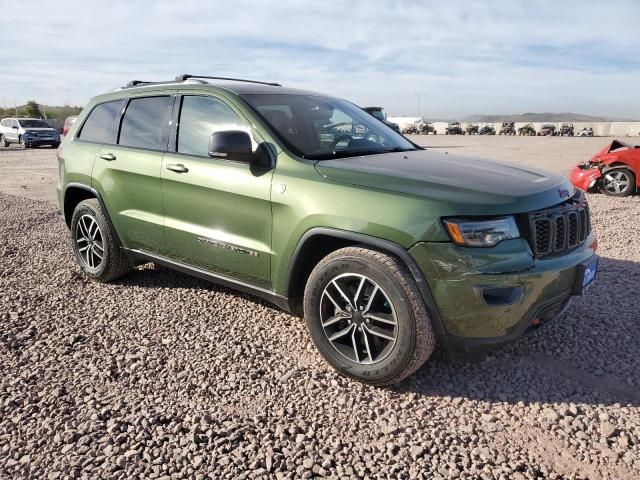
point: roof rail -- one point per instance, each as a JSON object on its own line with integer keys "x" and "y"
{"x": 186, "y": 76}
{"x": 135, "y": 83}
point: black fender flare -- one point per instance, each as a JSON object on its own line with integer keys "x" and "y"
{"x": 384, "y": 245}
{"x": 98, "y": 197}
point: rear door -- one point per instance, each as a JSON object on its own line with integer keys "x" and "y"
{"x": 127, "y": 173}
{"x": 217, "y": 212}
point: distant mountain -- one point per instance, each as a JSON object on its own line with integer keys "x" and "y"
{"x": 542, "y": 117}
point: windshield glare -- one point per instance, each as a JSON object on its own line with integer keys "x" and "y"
{"x": 319, "y": 128}
{"x": 33, "y": 124}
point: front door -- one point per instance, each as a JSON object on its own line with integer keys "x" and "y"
{"x": 217, "y": 212}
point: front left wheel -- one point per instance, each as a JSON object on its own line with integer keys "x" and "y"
{"x": 366, "y": 316}
{"x": 94, "y": 244}
{"x": 618, "y": 182}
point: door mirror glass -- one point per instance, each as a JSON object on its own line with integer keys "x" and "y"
{"x": 231, "y": 145}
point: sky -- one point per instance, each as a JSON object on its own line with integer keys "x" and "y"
{"x": 449, "y": 58}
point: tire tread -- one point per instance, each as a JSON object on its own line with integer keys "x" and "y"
{"x": 425, "y": 339}
{"x": 119, "y": 263}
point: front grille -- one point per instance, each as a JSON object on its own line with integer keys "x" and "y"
{"x": 558, "y": 229}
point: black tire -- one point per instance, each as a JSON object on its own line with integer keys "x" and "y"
{"x": 3, "y": 142}
{"x": 55, "y": 145}
{"x": 414, "y": 338}
{"x": 618, "y": 182}
{"x": 114, "y": 263}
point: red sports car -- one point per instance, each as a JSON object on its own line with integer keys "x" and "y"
{"x": 615, "y": 170}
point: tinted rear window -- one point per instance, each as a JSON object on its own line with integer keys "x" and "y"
{"x": 144, "y": 122}
{"x": 99, "y": 126}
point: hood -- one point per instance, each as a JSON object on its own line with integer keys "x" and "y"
{"x": 614, "y": 147}
{"x": 470, "y": 186}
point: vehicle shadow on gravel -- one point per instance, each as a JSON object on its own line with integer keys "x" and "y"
{"x": 588, "y": 355}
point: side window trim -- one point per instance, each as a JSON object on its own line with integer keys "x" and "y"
{"x": 78, "y": 137}
{"x": 166, "y": 127}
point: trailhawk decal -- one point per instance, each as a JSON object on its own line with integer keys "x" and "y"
{"x": 228, "y": 246}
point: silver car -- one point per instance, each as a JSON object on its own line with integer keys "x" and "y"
{"x": 28, "y": 132}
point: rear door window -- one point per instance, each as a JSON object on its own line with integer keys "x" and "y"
{"x": 99, "y": 126}
{"x": 145, "y": 122}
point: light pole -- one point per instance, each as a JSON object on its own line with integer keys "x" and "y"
{"x": 418, "y": 95}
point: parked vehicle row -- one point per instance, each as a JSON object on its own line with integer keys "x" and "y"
{"x": 422, "y": 127}
{"x": 506, "y": 128}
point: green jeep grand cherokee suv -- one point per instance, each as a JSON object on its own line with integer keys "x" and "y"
{"x": 309, "y": 202}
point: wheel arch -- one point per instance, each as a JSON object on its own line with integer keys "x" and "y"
{"x": 318, "y": 242}
{"x": 74, "y": 193}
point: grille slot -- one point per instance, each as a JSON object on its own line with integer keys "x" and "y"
{"x": 560, "y": 240}
{"x": 559, "y": 229}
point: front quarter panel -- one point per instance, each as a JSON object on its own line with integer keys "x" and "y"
{"x": 303, "y": 199}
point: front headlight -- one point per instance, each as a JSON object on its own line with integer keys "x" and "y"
{"x": 481, "y": 233}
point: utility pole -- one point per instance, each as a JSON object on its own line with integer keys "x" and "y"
{"x": 418, "y": 95}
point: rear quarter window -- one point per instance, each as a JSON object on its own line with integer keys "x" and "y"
{"x": 99, "y": 126}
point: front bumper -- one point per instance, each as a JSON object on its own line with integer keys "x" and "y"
{"x": 584, "y": 178}
{"x": 36, "y": 141}
{"x": 491, "y": 296}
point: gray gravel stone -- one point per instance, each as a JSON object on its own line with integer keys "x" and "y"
{"x": 160, "y": 375}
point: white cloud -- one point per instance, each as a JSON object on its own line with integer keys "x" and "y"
{"x": 462, "y": 57}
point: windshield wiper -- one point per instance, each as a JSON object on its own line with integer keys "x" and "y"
{"x": 398, "y": 149}
{"x": 356, "y": 153}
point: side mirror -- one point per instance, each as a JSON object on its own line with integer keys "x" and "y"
{"x": 231, "y": 145}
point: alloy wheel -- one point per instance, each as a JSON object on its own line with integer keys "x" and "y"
{"x": 358, "y": 318}
{"x": 616, "y": 181}
{"x": 90, "y": 242}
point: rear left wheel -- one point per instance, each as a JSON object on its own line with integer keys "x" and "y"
{"x": 366, "y": 316}
{"x": 94, "y": 244}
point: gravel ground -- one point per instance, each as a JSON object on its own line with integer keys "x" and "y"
{"x": 164, "y": 376}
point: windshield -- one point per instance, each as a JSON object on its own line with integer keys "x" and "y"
{"x": 320, "y": 128}
{"x": 33, "y": 124}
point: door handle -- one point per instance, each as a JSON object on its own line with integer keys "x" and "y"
{"x": 177, "y": 167}
{"x": 109, "y": 157}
